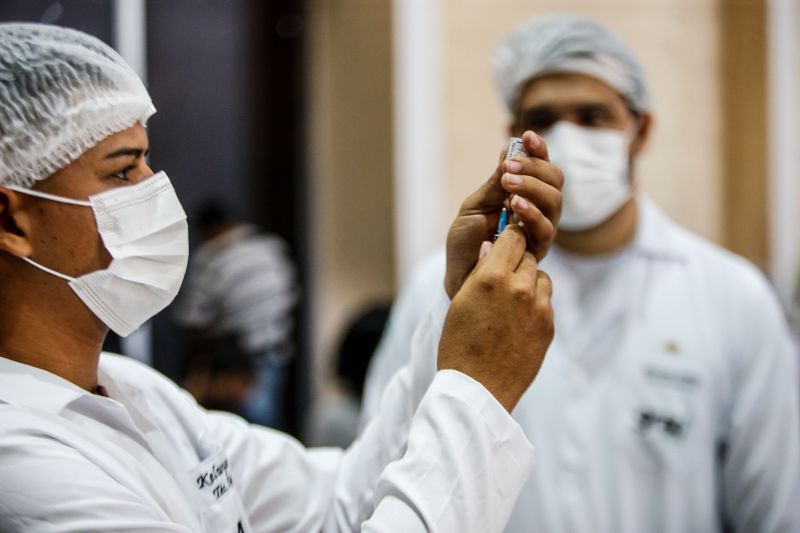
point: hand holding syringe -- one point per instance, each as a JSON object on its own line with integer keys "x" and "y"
{"x": 500, "y": 320}
{"x": 530, "y": 185}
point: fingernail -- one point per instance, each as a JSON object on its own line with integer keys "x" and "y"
{"x": 519, "y": 204}
{"x": 513, "y": 179}
{"x": 535, "y": 140}
{"x": 513, "y": 166}
{"x": 485, "y": 247}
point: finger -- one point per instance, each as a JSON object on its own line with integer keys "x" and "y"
{"x": 486, "y": 246}
{"x": 490, "y": 196}
{"x": 527, "y": 269}
{"x": 546, "y": 197}
{"x": 537, "y": 168}
{"x": 507, "y": 251}
{"x": 544, "y": 284}
{"x": 535, "y": 145}
{"x": 543, "y": 303}
{"x": 541, "y": 231}
{"x": 502, "y": 154}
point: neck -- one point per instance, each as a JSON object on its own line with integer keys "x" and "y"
{"x": 610, "y": 236}
{"x": 60, "y": 336}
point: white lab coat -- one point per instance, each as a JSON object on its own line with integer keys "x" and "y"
{"x": 148, "y": 459}
{"x": 668, "y": 401}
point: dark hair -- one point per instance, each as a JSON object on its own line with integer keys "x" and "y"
{"x": 358, "y": 345}
{"x": 211, "y": 216}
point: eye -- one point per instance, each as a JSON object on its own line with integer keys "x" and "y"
{"x": 537, "y": 122}
{"x": 122, "y": 175}
{"x": 594, "y": 117}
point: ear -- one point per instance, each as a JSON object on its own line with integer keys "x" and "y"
{"x": 643, "y": 133}
{"x": 14, "y": 224}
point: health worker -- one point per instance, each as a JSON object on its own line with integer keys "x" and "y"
{"x": 92, "y": 239}
{"x": 671, "y": 384}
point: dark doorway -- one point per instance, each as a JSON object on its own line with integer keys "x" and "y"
{"x": 227, "y": 79}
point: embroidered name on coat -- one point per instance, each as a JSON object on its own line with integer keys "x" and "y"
{"x": 215, "y": 479}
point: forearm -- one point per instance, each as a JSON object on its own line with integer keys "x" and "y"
{"x": 386, "y": 436}
{"x": 465, "y": 464}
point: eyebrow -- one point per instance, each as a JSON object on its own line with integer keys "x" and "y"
{"x": 579, "y": 106}
{"x": 127, "y": 152}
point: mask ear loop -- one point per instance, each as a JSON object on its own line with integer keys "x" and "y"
{"x": 47, "y": 196}
{"x": 54, "y": 198}
{"x": 48, "y": 270}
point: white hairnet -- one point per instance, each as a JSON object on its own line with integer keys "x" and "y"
{"x": 565, "y": 43}
{"x": 61, "y": 92}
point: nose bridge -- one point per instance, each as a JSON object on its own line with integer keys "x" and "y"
{"x": 146, "y": 172}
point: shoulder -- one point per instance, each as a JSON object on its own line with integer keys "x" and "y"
{"x": 139, "y": 379}
{"x": 708, "y": 267}
{"x": 721, "y": 269}
{"x": 131, "y": 371}
{"x": 741, "y": 304}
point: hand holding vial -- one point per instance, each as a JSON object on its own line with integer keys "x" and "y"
{"x": 530, "y": 185}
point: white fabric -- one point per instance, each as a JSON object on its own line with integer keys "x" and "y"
{"x": 566, "y": 43}
{"x": 668, "y": 401}
{"x": 596, "y": 171}
{"x": 149, "y": 459}
{"x": 143, "y": 227}
{"x": 424, "y": 289}
{"x": 61, "y": 92}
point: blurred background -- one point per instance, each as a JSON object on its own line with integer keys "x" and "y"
{"x": 351, "y": 130}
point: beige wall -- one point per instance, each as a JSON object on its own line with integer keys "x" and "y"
{"x": 678, "y": 43}
{"x": 350, "y": 130}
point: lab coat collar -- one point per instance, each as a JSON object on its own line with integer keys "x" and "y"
{"x": 656, "y": 237}
{"x": 23, "y": 385}
{"x": 655, "y": 233}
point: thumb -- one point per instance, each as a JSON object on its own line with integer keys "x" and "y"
{"x": 483, "y": 256}
{"x": 535, "y": 145}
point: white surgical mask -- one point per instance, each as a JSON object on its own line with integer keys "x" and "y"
{"x": 595, "y": 166}
{"x": 144, "y": 228}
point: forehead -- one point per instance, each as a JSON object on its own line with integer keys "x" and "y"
{"x": 80, "y": 178}
{"x": 567, "y": 90}
{"x": 132, "y": 137}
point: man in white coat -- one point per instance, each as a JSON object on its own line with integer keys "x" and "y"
{"x": 669, "y": 398}
{"x": 91, "y": 240}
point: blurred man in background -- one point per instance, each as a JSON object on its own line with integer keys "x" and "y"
{"x": 672, "y": 376}
{"x": 237, "y": 304}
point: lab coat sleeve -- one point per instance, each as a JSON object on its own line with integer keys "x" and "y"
{"x": 38, "y": 471}
{"x": 463, "y": 469}
{"x": 411, "y": 307}
{"x": 444, "y": 458}
{"x": 761, "y": 455}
